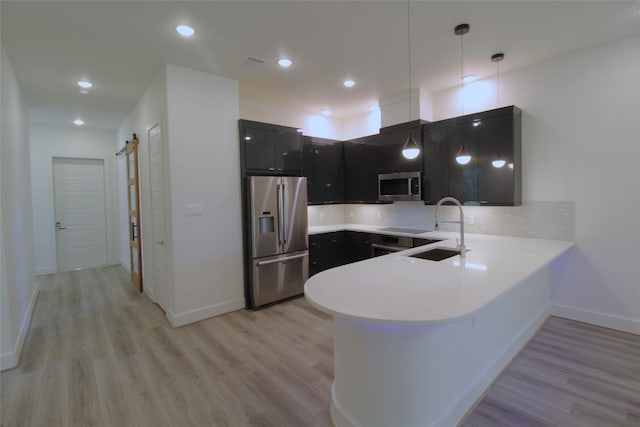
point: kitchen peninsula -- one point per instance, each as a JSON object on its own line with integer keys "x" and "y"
{"x": 417, "y": 342}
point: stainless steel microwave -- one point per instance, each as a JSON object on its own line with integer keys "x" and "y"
{"x": 399, "y": 186}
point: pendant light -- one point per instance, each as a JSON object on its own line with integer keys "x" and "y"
{"x": 499, "y": 161}
{"x": 462, "y": 157}
{"x": 410, "y": 149}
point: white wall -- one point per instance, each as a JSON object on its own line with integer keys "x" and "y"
{"x": 580, "y": 143}
{"x": 312, "y": 124}
{"x": 203, "y": 112}
{"x": 18, "y": 287}
{"x": 48, "y": 142}
{"x": 150, "y": 110}
{"x": 198, "y": 115}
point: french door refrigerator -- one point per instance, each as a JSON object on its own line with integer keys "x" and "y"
{"x": 277, "y": 216}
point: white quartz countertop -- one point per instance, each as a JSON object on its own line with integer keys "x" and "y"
{"x": 397, "y": 289}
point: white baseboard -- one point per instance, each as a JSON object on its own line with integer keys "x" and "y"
{"x": 181, "y": 319}
{"x": 46, "y": 270}
{"x": 10, "y": 360}
{"x": 596, "y": 318}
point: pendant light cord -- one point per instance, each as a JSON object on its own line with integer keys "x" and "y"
{"x": 462, "y": 74}
{"x": 497, "y": 84}
{"x": 409, "y": 53}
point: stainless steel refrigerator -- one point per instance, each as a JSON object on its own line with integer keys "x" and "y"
{"x": 277, "y": 216}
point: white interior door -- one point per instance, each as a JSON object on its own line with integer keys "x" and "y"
{"x": 157, "y": 217}
{"x": 81, "y": 226}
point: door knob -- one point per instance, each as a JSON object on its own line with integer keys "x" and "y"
{"x": 59, "y": 226}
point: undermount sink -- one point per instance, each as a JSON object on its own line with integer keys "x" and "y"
{"x": 437, "y": 254}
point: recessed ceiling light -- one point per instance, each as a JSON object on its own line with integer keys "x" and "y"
{"x": 285, "y": 62}
{"x": 185, "y": 30}
{"x": 469, "y": 78}
{"x": 326, "y": 112}
{"x": 78, "y": 122}
{"x": 247, "y": 138}
{"x": 85, "y": 84}
{"x": 349, "y": 83}
{"x": 83, "y": 91}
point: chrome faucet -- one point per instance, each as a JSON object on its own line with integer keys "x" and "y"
{"x": 461, "y": 246}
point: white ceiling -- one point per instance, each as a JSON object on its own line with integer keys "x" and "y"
{"x": 121, "y": 46}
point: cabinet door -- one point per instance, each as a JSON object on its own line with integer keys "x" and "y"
{"x": 436, "y": 163}
{"x": 259, "y": 149}
{"x": 329, "y": 172}
{"x": 308, "y": 169}
{"x": 324, "y": 167}
{"x": 316, "y": 252}
{"x": 288, "y": 152}
{"x": 463, "y": 179}
{"x": 326, "y": 251}
{"x": 495, "y": 139}
{"x": 358, "y": 246}
{"x": 361, "y": 177}
{"x": 390, "y": 156}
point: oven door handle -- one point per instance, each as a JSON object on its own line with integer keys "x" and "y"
{"x": 389, "y": 247}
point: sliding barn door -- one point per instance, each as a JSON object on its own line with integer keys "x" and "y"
{"x": 133, "y": 191}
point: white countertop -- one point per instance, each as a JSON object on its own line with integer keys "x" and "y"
{"x": 396, "y": 289}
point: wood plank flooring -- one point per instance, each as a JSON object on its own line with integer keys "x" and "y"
{"x": 98, "y": 353}
{"x": 570, "y": 374}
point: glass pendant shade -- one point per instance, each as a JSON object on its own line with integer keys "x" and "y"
{"x": 410, "y": 149}
{"x": 498, "y": 163}
{"x": 463, "y": 157}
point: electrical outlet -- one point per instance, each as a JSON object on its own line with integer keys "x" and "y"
{"x": 321, "y": 216}
{"x": 471, "y": 220}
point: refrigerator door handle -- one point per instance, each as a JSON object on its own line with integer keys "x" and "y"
{"x": 281, "y": 214}
{"x": 285, "y": 213}
{"x": 275, "y": 261}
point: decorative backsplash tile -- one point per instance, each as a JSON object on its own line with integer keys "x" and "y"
{"x": 544, "y": 220}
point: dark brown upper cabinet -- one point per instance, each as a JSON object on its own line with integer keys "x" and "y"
{"x": 324, "y": 169}
{"x": 268, "y": 149}
{"x": 487, "y": 136}
{"x": 392, "y": 139}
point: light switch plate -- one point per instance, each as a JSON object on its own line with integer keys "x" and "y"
{"x": 194, "y": 210}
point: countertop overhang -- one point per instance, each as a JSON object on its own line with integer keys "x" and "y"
{"x": 400, "y": 290}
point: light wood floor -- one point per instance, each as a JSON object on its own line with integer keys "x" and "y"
{"x": 98, "y": 353}
{"x": 570, "y": 374}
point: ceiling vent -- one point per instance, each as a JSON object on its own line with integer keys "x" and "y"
{"x": 253, "y": 61}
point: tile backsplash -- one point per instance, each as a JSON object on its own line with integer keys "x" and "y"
{"x": 544, "y": 220}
